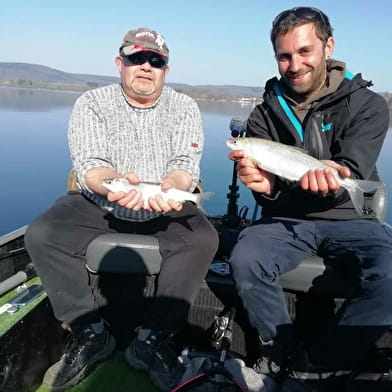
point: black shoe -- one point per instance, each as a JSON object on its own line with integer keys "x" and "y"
{"x": 319, "y": 381}
{"x": 83, "y": 349}
{"x": 303, "y": 376}
{"x": 270, "y": 375}
{"x": 155, "y": 353}
{"x": 270, "y": 362}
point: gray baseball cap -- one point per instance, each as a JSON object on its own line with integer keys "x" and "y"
{"x": 143, "y": 40}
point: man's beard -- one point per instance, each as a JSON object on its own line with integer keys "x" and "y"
{"x": 143, "y": 89}
{"x": 144, "y": 93}
{"x": 301, "y": 92}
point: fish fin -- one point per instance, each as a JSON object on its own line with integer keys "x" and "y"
{"x": 357, "y": 195}
{"x": 380, "y": 203}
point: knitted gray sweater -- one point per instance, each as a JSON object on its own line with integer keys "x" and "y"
{"x": 106, "y": 131}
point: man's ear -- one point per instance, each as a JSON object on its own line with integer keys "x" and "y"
{"x": 119, "y": 62}
{"x": 328, "y": 49}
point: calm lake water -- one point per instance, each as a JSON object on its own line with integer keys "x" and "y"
{"x": 34, "y": 157}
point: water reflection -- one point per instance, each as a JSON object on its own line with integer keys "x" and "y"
{"x": 30, "y": 100}
{"x": 231, "y": 109}
{"x": 34, "y": 156}
{"x": 35, "y": 100}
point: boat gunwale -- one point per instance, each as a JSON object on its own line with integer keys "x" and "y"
{"x": 12, "y": 235}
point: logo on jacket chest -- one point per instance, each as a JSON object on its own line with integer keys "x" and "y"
{"x": 326, "y": 127}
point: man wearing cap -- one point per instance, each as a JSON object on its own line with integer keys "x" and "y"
{"x": 143, "y": 131}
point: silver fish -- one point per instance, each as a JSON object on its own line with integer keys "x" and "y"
{"x": 152, "y": 190}
{"x": 291, "y": 163}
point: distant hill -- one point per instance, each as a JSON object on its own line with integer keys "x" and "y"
{"x": 40, "y": 76}
{"x": 41, "y": 73}
{"x": 34, "y": 75}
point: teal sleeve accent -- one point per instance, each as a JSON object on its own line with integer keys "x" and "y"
{"x": 289, "y": 113}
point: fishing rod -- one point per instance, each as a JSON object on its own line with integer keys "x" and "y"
{"x": 232, "y": 218}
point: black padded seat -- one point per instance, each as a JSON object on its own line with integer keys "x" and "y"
{"x": 136, "y": 254}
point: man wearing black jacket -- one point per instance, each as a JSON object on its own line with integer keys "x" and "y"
{"x": 317, "y": 105}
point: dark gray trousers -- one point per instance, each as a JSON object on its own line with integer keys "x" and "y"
{"x": 58, "y": 238}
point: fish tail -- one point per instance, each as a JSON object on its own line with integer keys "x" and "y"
{"x": 200, "y": 197}
{"x": 367, "y": 186}
{"x": 357, "y": 195}
{"x": 204, "y": 195}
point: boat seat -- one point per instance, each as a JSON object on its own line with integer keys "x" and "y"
{"x": 137, "y": 254}
{"x": 119, "y": 253}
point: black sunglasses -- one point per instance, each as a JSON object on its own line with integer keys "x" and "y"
{"x": 304, "y": 13}
{"x": 153, "y": 59}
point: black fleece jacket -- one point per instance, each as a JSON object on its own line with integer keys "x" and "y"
{"x": 347, "y": 126}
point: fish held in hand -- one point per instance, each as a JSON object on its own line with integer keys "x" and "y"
{"x": 291, "y": 163}
{"x": 152, "y": 190}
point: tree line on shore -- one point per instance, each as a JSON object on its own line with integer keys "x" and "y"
{"x": 206, "y": 94}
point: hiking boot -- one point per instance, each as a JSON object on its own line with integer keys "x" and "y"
{"x": 84, "y": 348}
{"x": 271, "y": 361}
{"x": 268, "y": 368}
{"x": 259, "y": 382}
{"x": 155, "y": 353}
{"x": 266, "y": 376}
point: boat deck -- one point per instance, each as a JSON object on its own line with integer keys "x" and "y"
{"x": 36, "y": 337}
{"x": 31, "y": 339}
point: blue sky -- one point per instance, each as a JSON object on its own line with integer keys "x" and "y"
{"x": 210, "y": 41}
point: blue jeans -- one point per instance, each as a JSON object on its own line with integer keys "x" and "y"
{"x": 274, "y": 246}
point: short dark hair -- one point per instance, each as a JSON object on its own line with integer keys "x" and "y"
{"x": 290, "y": 19}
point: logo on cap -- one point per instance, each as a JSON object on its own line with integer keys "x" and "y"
{"x": 143, "y": 39}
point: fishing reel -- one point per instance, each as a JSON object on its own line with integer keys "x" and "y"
{"x": 238, "y": 126}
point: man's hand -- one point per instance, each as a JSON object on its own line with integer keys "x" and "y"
{"x": 132, "y": 200}
{"x": 251, "y": 175}
{"x": 158, "y": 204}
{"x": 324, "y": 181}
{"x": 178, "y": 179}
